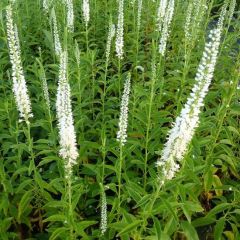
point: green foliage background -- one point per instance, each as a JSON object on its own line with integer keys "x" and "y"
{"x": 202, "y": 202}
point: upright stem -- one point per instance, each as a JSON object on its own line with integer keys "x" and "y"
{"x": 119, "y": 76}
{"x": 148, "y": 212}
{"x": 160, "y": 73}
{"x": 93, "y": 83}
{"x": 87, "y": 44}
{"x": 104, "y": 88}
{"x": 19, "y": 162}
{"x": 70, "y": 209}
{"x": 30, "y": 148}
{"x": 120, "y": 176}
{"x": 103, "y": 121}
{"x": 29, "y": 140}
{"x": 149, "y": 126}
{"x": 183, "y": 79}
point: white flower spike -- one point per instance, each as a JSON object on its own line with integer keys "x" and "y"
{"x": 184, "y": 127}
{"x": 86, "y": 11}
{"x": 123, "y": 119}
{"x": 119, "y": 34}
{"x": 19, "y": 84}
{"x": 68, "y": 148}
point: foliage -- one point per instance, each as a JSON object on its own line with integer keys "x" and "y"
{"x": 201, "y": 202}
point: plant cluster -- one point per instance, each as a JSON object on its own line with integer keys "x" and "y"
{"x": 119, "y": 119}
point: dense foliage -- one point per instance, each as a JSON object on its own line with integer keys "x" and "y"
{"x": 37, "y": 200}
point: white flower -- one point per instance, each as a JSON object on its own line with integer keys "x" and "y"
{"x": 231, "y": 9}
{"x": 111, "y": 33}
{"x": 57, "y": 44}
{"x": 123, "y": 119}
{"x": 188, "y": 22}
{"x": 162, "y": 9}
{"x": 184, "y": 127}
{"x": 19, "y": 84}
{"x": 103, "y": 224}
{"x": 119, "y": 36}
{"x": 77, "y": 53}
{"x": 44, "y": 86}
{"x": 45, "y": 5}
{"x": 70, "y": 15}
{"x": 166, "y": 27}
{"x": 139, "y": 14}
{"x": 68, "y": 148}
{"x": 86, "y": 11}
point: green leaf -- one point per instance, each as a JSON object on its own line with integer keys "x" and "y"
{"x": 229, "y": 235}
{"x": 56, "y": 218}
{"x": 24, "y": 203}
{"x": 189, "y": 231}
{"x": 218, "y": 230}
{"x": 217, "y": 185}
{"x": 59, "y": 232}
{"x": 169, "y": 207}
{"x": 219, "y": 208}
{"x": 208, "y": 180}
{"x": 129, "y": 227}
{"x": 157, "y": 228}
{"x": 143, "y": 200}
{"x": 81, "y": 226}
{"x": 203, "y": 221}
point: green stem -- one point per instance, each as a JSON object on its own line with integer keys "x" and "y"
{"x": 30, "y": 143}
{"x": 19, "y": 161}
{"x": 148, "y": 212}
{"x": 70, "y": 209}
{"x": 183, "y": 79}
{"x": 148, "y": 130}
{"x": 120, "y": 177}
{"x": 86, "y": 34}
{"x": 103, "y": 121}
{"x": 119, "y": 77}
{"x": 30, "y": 149}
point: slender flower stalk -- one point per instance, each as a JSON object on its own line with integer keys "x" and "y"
{"x": 68, "y": 148}
{"x": 57, "y": 44}
{"x": 19, "y": 84}
{"x": 194, "y": 17}
{"x": 198, "y": 7}
{"x": 183, "y": 130}
{"x": 111, "y": 33}
{"x": 45, "y": 92}
{"x": 123, "y": 120}
{"x": 139, "y": 15}
{"x": 119, "y": 35}
{"x": 122, "y": 134}
{"x": 45, "y": 4}
{"x": 86, "y": 12}
{"x": 45, "y": 87}
{"x": 149, "y": 117}
{"x": 103, "y": 223}
{"x": 188, "y": 22}
{"x": 166, "y": 27}
{"x": 77, "y": 54}
{"x": 232, "y": 6}
{"x": 70, "y": 15}
{"x": 162, "y": 9}
{"x": 86, "y": 18}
